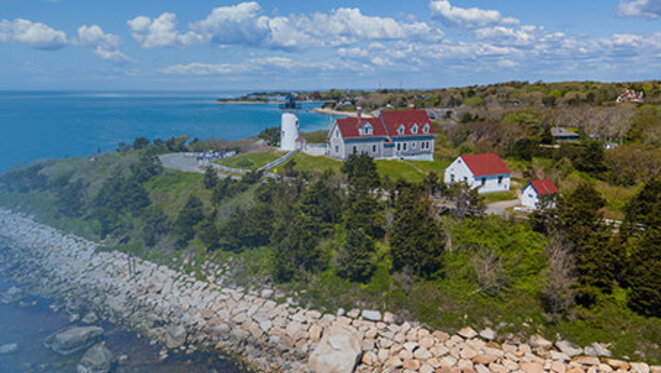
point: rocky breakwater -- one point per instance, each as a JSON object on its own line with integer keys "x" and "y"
{"x": 186, "y": 314}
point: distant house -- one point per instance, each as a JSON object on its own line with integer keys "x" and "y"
{"x": 484, "y": 171}
{"x": 563, "y": 134}
{"x": 407, "y": 134}
{"x": 630, "y": 96}
{"x": 610, "y": 145}
{"x": 531, "y": 192}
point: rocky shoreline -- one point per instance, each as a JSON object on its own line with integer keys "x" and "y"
{"x": 186, "y": 314}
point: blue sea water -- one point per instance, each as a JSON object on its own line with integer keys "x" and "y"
{"x": 39, "y": 125}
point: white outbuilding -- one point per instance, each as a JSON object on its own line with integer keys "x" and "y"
{"x": 530, "y": 193}
{"x": 487, "y": 172}
{"x": 289, "y": 132}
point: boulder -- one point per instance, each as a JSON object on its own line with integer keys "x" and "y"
{"x": 371, "y": 315}
{"x": 74, "y": 339}
{"x": 90, "y": 318}
{"x": 12, "y": 295}
{"x": 467, "y": 332}
{"x": 488, "y": 334}
{"x": 568, "y": 348}
{"x": 8, "y": 349}
{"x": 337, "y": 352}
{"x": 175, "y": 337}
{"x": 537, "y": 341}
{"x": 98, "y": 359}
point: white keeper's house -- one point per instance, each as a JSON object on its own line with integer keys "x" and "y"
{"x": 487, "y": 172}
{"x": 530, "y": 193}
{"x": 405, "y": 134}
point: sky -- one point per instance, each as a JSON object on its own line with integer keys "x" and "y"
{"x": 307, "y": 45}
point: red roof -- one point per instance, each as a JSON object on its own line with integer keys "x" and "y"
{"x": 393, "y": 119}
{"x": 545, "y": 186}
{"x": 349, "y": 127}
{"x": 485, "y": 164}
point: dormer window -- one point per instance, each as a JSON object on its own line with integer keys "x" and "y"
{"x": 414, "y": 129}
{"x": 367, "y": 129}
{"x": 400, "y": 129}
{"x": 425, "y": 129}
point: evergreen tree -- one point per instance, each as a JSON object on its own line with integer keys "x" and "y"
{"x": 147, "y": 166}
{"x": 642, "y": 231}
{"x": 356, "y": 258}
{"x": 207, "y": 230}
{"x": 361, "y": 171}
{"x": 296, "y": 242}
{"x": 582, "y": 224}
{"x": 156, "y": 225}
{"x": 416, "y": 239}
{"x": 322, "y": 201}
{"x": 210, "y": 178}
{"x": 71, "y": 199}
{"x": 188, "y": 217}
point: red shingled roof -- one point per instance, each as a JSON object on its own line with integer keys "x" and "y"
{"x": 393, "y": 119}
{"x": 349, "y": 127}
{"x": 485, "y": 164}
{"x": 545, "y": 186}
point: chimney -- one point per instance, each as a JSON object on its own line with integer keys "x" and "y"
{"x": 359, "y": 113}
{"x": 412, "y": 106}
{"x": 388, "y": 107}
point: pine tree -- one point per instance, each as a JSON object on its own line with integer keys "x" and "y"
{"x": 582, "y": 224}
{"x": 641, "y": 231}
{"x": 356, "y": 257}
{"x": 210, "y": 178}
{"x": 207, "y": 230}
{"x": 416, "y": 239}
{"x": 188, "y": 217}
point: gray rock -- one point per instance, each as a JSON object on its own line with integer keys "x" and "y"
{"x": 598, "y": 349}
{"x": 74, "y": 339}
{"x": 371, "y": 315}
{"x": 537, "y": 341}
{"x": 488, "y": 334}
{"x": 8, "y": 349}
{"x": 568, "y": 348}
{"x": 12, "y": 295}
{"x": 337, "y": 352}
{"x": 90, "y": 318}
{"x": 98, "y": 359}
{"x": 175, "y": 336}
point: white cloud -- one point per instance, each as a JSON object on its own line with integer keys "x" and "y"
{"x": 196, "y": 68}
{"x": 161, "y": 32}
{"x": 245, "y": 24}
{"x": 106, "y": 45}
{"x": 34, "y": 34}
{"x": 640, "y": 9}
{"x": 468, "y": 17}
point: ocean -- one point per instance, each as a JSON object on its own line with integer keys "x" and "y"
{"x": 42, "y": 125}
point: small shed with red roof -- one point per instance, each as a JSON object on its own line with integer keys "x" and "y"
{"x": 531, "y": 193}
{"x": 486, "y": 171}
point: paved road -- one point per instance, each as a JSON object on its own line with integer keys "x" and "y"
{"x": 499, "y": 208}
{"x": 180, "y": 162}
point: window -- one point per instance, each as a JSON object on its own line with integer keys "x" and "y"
{"x": 484, "y": 180}
{"x": 400, "y": 130}
{"x": 529, "y": 195}
{"x": 465, "y": 179}
{"x": 500, "y": 180}
{"x": 414, "y": 129}
{"x": 398, "y": 146}
{"x": 452, "y": 178}
{"x": 373, "y": 148}
{"x": 337, "y": 148}
{"x": 354, "y": 148}
{"x": 413, "y": 145}
{"x": 425, "y": 129}
{"x": 404, "y": 146}
{"x": 367, "y": 129}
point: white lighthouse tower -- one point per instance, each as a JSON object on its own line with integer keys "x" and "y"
{"x": 289, "y": 132}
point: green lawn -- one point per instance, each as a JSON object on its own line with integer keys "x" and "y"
{"x": 413, "y": 171}
{"x": 310, "y": 163}
{"x": 251, "y": 161}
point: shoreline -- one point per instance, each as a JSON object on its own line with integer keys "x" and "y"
{"x": 188, "y": 314}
